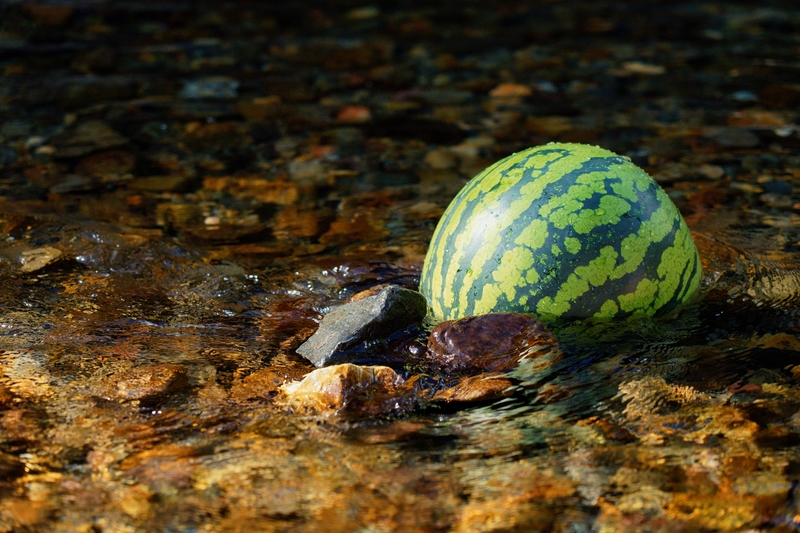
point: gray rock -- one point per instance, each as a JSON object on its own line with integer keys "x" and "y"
{"x": 372, "y": 318}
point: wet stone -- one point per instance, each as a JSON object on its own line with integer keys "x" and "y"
{"x": 351, "y": 387}
{"x": 480, "y": 388}
{"x": 369, "y": 319}
{"x": 492, "y": 342}
{"x": 712, "y": 172}
{"x": 441, "y": 159}
{"x": 261, "y": 384}
{"x": 149, "y": 382}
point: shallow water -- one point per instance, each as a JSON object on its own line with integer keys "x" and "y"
{"x": 685, "y": 421}
{"x": 206, "y": 183}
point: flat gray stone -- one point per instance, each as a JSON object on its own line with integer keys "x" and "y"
{"x": 373, "y": 318}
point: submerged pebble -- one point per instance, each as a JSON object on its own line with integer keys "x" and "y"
{"x": 148, "y": 382}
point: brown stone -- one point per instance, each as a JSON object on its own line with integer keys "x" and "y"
{"x": 147, "y": 382}
{"x": 261, "y": 384}
{"x": 363, "y": 389}
{"x": 510, "y": 90}
{"x": 480, "y": 388}
{"x": 366, "y": 293}
{"x": 354, "y": 113}
{"x": 163, "y": 468}
{"x": 492, "y": 342}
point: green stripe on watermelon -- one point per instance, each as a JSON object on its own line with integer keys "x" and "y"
{"x": 561, "y": 230}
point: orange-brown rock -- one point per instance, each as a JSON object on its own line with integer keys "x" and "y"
{"x": 147, "y": 382}
{"x": 352, "y": 388}
{"x": 480, "y": 388}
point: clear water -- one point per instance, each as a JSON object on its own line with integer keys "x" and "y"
{"x": 684, "y": 422}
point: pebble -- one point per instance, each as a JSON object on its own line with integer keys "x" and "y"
{"x": 354, "y": 113}
{"x": 441, "y": 158}
{"x": 480, "y": 388}
{"x": 330, "y": 389}
{"x": 147, "y": 383}
{"x": 510, "y": 90}
{"x": 73, "y": 183}
{"x": 712, "y": 172}
{"x": 370, "y": 319}
{"x": 261, "y": 384}
{"x": 647, "y": 69}
{"x": 746, "y": 187}
{"x": 734, "y": 138}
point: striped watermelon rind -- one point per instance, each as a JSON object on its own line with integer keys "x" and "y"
{"x": 561, "y": 230}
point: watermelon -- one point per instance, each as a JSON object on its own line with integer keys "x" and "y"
{"x": 561, "y": 230}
